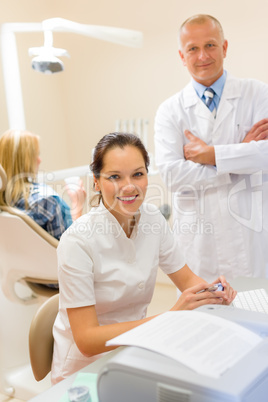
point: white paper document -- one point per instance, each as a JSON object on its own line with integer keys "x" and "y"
{"x": 206, "y": 343}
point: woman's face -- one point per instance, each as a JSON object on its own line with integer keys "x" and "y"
{"x": 123, "y": 181}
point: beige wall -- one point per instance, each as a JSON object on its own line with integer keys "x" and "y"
{"x": 102, "y": 82}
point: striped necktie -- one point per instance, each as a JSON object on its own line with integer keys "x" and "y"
{"x": 209, "y": 94}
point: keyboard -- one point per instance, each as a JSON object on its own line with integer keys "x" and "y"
{"x": 253, "y": 300}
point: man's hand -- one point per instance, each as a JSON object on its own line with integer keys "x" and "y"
{"x": 198, "y": 151}
{"x": 258, "y": 132}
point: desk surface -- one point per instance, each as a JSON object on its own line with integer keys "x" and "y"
{"x": 57, "y": 391}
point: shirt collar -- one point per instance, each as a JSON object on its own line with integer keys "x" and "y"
{"x": 217, "y": 86}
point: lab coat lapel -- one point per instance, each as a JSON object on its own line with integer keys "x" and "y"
{"x": 191, "y": 100}
{"x": 231, "y": 91}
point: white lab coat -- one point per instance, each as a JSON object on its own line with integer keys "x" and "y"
{"x": 220, "y": 214}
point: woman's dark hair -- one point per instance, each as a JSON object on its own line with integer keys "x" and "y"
{"x": 114, "y": 140}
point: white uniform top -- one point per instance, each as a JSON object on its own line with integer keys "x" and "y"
{"x": 99, "y": 265}
{"x": 220, "y": 213}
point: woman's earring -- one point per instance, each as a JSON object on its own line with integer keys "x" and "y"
{"x": 96, "y": 186}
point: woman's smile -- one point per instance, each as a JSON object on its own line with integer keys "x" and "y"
{"x": 128, "y": 199}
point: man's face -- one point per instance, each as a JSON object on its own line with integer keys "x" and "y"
{"x": 202, "y": 51}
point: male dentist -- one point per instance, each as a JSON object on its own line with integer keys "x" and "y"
{"x": 212, "y": 153}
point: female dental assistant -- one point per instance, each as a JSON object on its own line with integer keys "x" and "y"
{"x": 108, "y": 260}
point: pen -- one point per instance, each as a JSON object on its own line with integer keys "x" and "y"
{"x": 217, "y": 286}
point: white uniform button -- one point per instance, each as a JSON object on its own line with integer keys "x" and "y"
{"x": 141, "y": 285}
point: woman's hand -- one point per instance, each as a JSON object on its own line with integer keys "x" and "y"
{"x": 197, "y": 296}
{"x": 77, "y": 194}
{"x": 195, "y": 293}
{"x": 228, "y": 294}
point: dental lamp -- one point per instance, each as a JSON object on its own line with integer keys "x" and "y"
{"x": 46, "y": 58}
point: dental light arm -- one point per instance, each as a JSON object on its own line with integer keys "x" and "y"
{"x": 11, "y": 71}
{"x": 120, "y": 36}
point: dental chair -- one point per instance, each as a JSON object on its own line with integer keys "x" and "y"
{"x": 28, "y": 262}
{"x": 41, "y": 337}
{"x": 27, "y": 256}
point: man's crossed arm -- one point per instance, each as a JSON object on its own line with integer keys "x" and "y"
{"x": 199, "y": 152}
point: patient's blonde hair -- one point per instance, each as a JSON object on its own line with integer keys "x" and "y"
{"x": 19, "y": 151}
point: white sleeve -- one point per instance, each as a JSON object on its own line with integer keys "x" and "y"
{"x": 75, "y": 270}
{"x": 247, "y": 158}
{"x": 244, "y": 158}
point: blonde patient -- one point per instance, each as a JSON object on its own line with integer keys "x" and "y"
{"x": 20, "y": 158}
{"x": 108, "y": 260}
